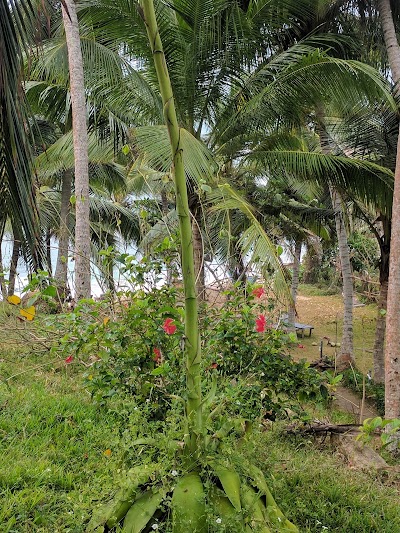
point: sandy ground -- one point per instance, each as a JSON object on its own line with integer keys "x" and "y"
{"x": 325, "y": 314}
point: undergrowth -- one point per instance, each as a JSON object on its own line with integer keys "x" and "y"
{"x": 61, "y": 455}
{"x": 374, "y": 392}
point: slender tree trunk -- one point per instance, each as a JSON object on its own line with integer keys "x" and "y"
{"x": 391, "y": 43}
{"x": 198, "y": 256}
{"x": 392, "y": 354}
{"x": 312, "y": 261}
{"x": 379, "y": 344}
{"x": 346, "y": 351}
{"x": 294, "y": 285}
{"x": 48, "y": 252}
{"x": 3, "y": 287}
{"x": 61, "y": 274}
{"x": 192, "y": 345}
{"x": 13, "y": 265}
{"x": 108, "y": 269}
{"x": 79, "y": 129}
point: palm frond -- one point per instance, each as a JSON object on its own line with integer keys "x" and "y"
{"x": 102, "y": 166}
{"x": 254, "y": 241}
{"x": 152, "y": 143}
{"x": 16, "y": 178}
{"x": 371, "y": 182}
{"x": 296, "y": 82}
{"x": 164, "y": 227}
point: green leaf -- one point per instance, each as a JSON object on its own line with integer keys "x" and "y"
{"x": 275, "y": 515}
{"x": 154, "y": 145}
{"x": 113, "y": 512}
{"x": 160, "y": 370}
{"x": 206, "y": 188}
{"x": 188, "y": 505}
{"x": 142, "y": 511}
{"x": 224, "y": 509}
{"x": 253, "y": 505}
{"x": 230, "y": 482}
{"x": 50, "y": 291}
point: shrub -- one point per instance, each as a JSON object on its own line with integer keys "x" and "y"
{"x": 136, "y": 351}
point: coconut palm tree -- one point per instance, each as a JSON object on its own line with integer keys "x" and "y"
{"x": 79, "y": 128}
{"x": 48, "y": 93}
{"x": 16, "y": 179}
{"x": 392, "y": 361}
{"x": 380, "y": 19}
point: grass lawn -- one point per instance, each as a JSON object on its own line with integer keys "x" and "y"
{"x": 52, "y": 441}
{"x": 61, "y": 455}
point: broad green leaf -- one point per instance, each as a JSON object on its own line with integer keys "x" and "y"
{"x": 188, "y": 505}
{"x": 142, "y": 511}
{"x": 50, "y": 291}
{"x": 230, "y": 481}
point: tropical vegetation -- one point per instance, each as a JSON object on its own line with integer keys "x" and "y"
{"x": 150, "y": 150}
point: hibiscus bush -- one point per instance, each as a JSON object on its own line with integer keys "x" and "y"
{"x": 240, "y": 332}
{"x": 136, "y": 352}
{"x": 243, "y": 343}
{"x": 129, "y": 345}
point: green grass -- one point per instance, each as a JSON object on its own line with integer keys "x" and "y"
{"x": 52, "y": 441}
{"x": 315, "y": 290}
{"x": 318, "y": 493}
{"x": 54, "y": 471}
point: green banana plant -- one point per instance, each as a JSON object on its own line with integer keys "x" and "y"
{"x": 243, "y": 500}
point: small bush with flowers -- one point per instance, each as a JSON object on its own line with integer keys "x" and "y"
{"x": 136, "y": 350}
{"x": 242, "y": 341}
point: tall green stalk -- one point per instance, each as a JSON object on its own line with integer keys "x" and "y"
{"x": 192, "y": 347}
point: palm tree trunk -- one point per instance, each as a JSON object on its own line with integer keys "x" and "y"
{"x": 294, "y": 285}
{"x": 13, "y": 265}
{"x": 391, "y": 43}
{"x": 192, "y": 347}
{"x": 61, "y": 274}
{"x": 392, "y": 354}
{"x": 379, "y": 344}
{"x": 79, "y": 130}
{"x": 2, "y": 277}
{"x": 346, "y": 351}
{"x": 48, "y": 252}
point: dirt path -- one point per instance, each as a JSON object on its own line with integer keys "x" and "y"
{"x": 348, "y": 401}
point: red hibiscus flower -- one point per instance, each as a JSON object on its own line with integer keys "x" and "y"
{"x": 69, "y": 360}
{"x": 258, "y": 292}
{"x": 261, "y": 324}
{"x": 169, "y": 327}
{"x": 157, "y": 355}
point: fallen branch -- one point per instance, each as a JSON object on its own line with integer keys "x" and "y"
{"x": 319, "y": 428}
